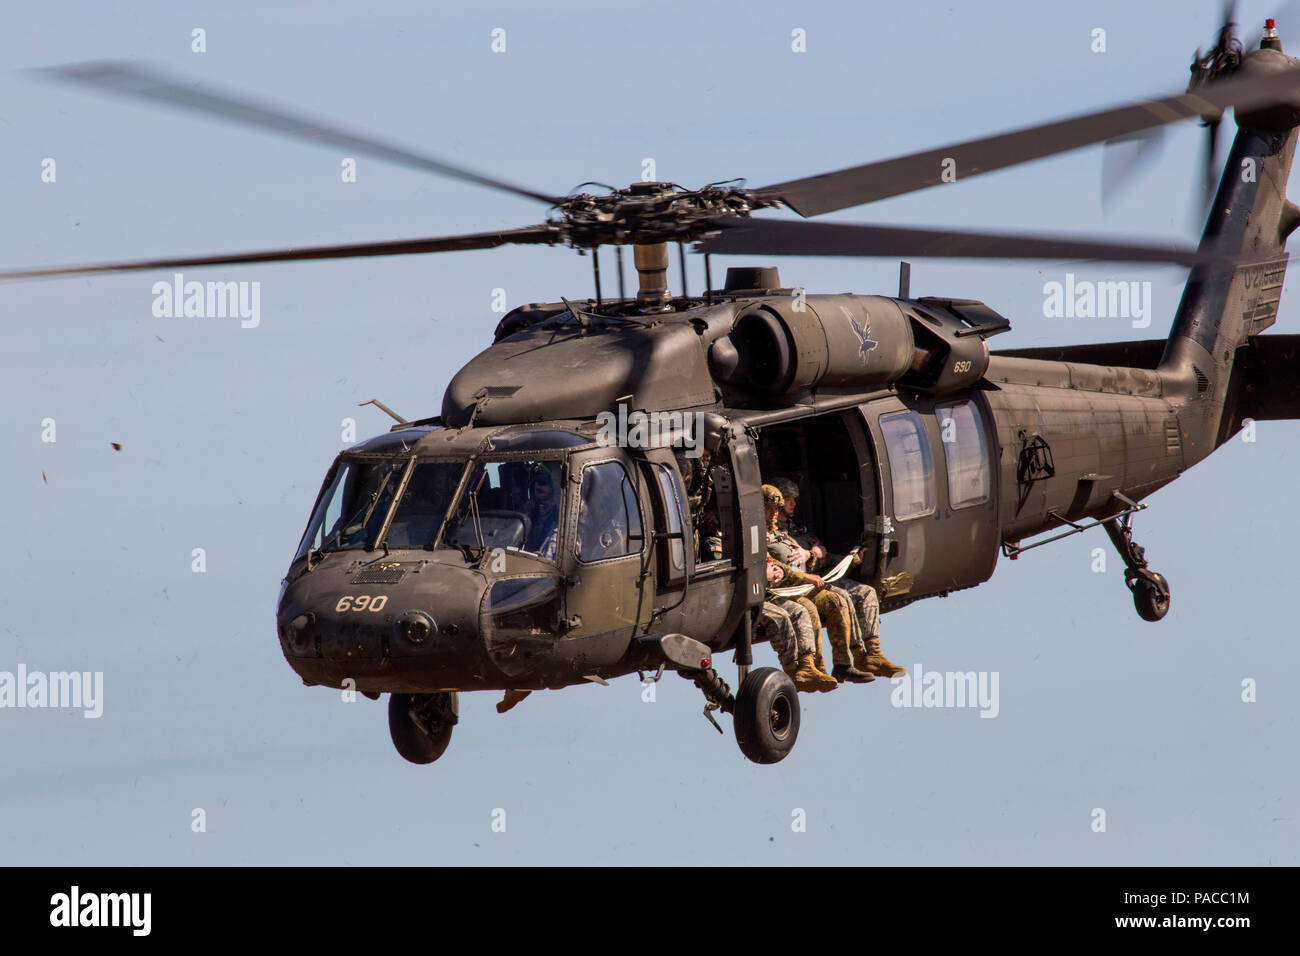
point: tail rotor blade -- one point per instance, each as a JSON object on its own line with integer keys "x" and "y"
{"x": 1124, "y": 158}
{"x": 1211, "y": 173}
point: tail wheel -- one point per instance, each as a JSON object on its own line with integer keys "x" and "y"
{"x": 421, "y": 724}
{"x": 1151, "y": 596}
{"x": 767, "y": 715}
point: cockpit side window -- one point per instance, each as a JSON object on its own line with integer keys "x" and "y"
{"x": 609, "y": 519}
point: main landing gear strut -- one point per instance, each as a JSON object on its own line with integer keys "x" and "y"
{"x": 765, "y": 709}
{"x": 1150, "y": 589}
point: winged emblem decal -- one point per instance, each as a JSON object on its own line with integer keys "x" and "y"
{"x": 865, "y": 335}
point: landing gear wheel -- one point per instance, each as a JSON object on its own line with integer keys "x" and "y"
{"x": 767, "y": 715}
{"x": 1151, "y": 596}
{"x": 420, "y": 724}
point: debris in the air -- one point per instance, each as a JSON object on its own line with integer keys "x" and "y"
{"x": 117, "y": 446}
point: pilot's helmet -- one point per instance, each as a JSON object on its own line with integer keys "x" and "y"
{"x": 542, "y": 476}
{"x": 772, "y": 496}
{"x": 787, "y": 488}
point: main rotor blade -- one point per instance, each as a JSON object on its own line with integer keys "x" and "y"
{"x": 124, "y": 78}
{"x": 893, "y": 177}
{"x": 396, "y": 247}
{"x": 772, "y": 237}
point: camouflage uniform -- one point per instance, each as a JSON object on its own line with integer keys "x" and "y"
{"x": 862, "y": 598}
{"x": 867, "y": 655}
{"x": 796, "y": 635}
{"x": 800, "y": 649}
{"x": 832, "y": 610}
{"x": 787, "y": 625}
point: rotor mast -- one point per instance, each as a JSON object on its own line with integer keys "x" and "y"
{"x": 651, "y": 262}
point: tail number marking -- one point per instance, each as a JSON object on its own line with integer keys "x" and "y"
{"x": 362, "y": 602}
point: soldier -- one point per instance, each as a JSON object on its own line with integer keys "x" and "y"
{"x": 543, "y": 514}
{"x": 789, "y": 625}
{"x": 867, "y": 655}
{"x": 834, "y": 609}
{"x": 697, "y": 476}
{"x": 791, "y": 525}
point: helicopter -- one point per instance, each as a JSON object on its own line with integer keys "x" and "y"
{"x": 542, "y": 531}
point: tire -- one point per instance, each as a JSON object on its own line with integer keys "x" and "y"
{"x": 410, "y": 740}
{"x": 1151, "y": 597}
{"x": 767, "y": 715}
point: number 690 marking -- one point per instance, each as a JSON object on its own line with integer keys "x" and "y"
{"x": 362, "y": 602}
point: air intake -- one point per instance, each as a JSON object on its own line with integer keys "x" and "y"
{"x": 752, "y": 279}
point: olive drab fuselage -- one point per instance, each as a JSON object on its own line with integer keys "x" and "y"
{"x": 908, "y": 437}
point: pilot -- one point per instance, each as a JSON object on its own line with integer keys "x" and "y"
{"x": 513, "y": 493}
{"x": 834, "y": 609}
{"x": 789, "y": 625}
{"x": 543, "y": 515}
{"x": 867, "y": 655}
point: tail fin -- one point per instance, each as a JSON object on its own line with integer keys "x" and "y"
{"x": 1223, "y": 306}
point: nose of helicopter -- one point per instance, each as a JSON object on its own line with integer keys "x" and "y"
{"x": 388, "y": 626}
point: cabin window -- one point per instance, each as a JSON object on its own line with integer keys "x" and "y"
{"x": 966, "y": 450}
{"x": 609, "y": 520}
{"x": 910, "y": 464}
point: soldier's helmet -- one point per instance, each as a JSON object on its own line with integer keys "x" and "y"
{"x": 771, "y": 496}
{"x": 787, "y": 488}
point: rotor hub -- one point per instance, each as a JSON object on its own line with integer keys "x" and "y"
{"x": 651, "y": 212}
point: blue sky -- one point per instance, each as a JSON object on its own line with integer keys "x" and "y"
{"x": 226, "y": 433}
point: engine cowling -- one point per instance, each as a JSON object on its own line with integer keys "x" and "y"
{"x": 792, "y": 345}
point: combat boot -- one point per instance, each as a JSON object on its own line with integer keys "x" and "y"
{"x": 880, "y": 665}
{"x": 852, "y": 674}
{"x": 808, "y": 677}
{"x": 862, "y": 659}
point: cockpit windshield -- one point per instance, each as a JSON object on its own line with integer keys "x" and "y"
{"x": 510, "y": 504}
{"x": 423, "y": 506}
{"x": 352, "y": 509}
{"x": 513, "y": 505}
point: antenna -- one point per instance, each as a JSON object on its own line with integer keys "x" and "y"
{"x": 904, "y": 280}
{"x": 384, "y": 408}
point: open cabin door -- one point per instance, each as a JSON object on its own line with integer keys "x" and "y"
{"x": 829, "y": 458}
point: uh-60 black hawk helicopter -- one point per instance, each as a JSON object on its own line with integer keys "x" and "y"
{"x": 507, "y": 545}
